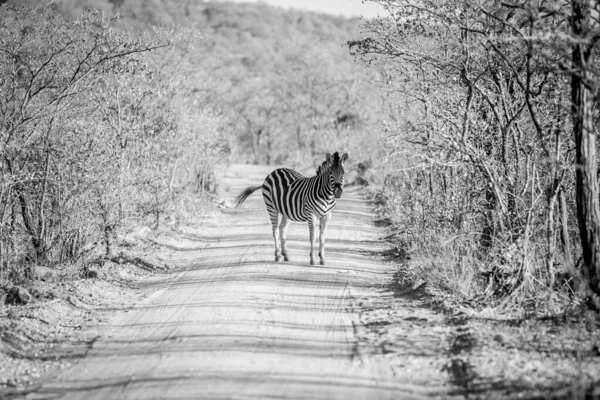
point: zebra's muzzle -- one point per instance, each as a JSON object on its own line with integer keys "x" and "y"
{"x": 337, "y": 191}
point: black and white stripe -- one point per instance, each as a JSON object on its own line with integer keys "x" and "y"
{"x": 289, "y": 196}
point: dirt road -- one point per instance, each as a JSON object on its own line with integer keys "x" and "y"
{"x": 230, "y": 323}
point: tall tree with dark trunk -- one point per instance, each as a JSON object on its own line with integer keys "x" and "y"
{"x": 586, "y": 180}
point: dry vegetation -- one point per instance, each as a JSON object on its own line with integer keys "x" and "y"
{"x": 491, "y": 106}
{"x": 95, "y": 126}
{"x": 479, "y": 142}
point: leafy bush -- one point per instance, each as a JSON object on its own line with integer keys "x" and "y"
{"x": 91, "y": 128}
{"x": 481, "y": 151}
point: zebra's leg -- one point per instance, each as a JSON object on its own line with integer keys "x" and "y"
{"x": 323, "y": 229}
{"x": 275, "y": 219}
{"x": 312, "y": 221}
{"x": 285, "y": 222}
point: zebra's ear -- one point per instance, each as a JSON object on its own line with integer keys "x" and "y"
{"x": 329, "y": 158}
{"x": 344, "y": 158}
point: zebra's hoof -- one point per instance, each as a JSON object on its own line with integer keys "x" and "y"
{"x": 312, "y": 262}
{"x": 322, "y": 262}
{"x": 286, "y": 258}
{"x": 278, "y": 258}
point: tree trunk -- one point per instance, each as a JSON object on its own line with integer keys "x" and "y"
{"x": 106, "y": 230}
{"x": 491, "y": 201}
{"x": 157, "y": 204}
{"x": 487, "y": 236}
{"x": 564, "y": 235}
{"x": 36, "y": 241}
{"x": 107, "y": 241}
{"x": 551, "y": 238}
{"x": 586, "y": 181}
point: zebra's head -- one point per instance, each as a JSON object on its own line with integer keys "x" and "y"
{"x": 336, "y": 172}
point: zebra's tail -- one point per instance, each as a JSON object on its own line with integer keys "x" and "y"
{"x": 240, "y": 198}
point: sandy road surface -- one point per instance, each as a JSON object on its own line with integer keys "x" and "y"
{"x": 231, "y": 323}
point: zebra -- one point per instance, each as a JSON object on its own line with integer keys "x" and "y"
{"x": 289, "y": 196}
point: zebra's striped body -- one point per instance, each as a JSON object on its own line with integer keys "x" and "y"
{"x": 291, "y": 197}
{"x": 297, "y": 198}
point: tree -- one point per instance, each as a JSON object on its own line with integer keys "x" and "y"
{"x": 94, "y": 126}
{"x": 584, "y": 90}
{"x": 490, "y": 82}
{"x": 50, "y": 70}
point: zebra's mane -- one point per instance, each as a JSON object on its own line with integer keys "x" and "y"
{"x": 321, "y": 168}
{"x": 325, "y": 165}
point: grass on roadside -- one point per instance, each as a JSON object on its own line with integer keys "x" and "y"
{"x": 509, "y": 276}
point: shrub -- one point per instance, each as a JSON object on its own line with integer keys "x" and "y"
{"x": 91, "y": 130}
